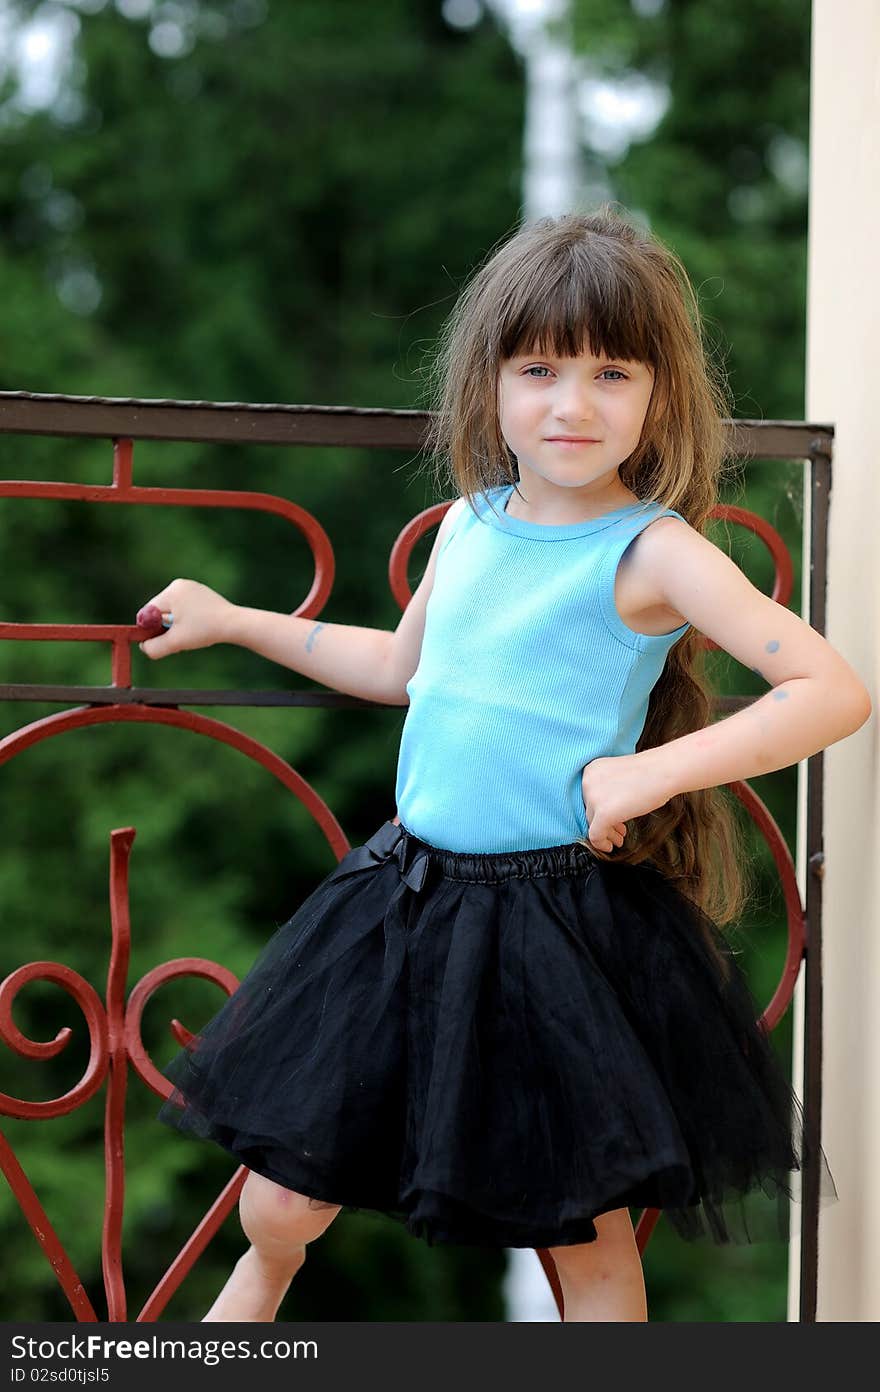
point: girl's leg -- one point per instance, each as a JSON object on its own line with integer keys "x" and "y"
{"x": 278, "y": 1223}
{"x": 603, "y": 1280}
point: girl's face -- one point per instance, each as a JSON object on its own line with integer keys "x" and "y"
{"x": 602, "y": 402}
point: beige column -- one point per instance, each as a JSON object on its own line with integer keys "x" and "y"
{"x": 843, "y": 389}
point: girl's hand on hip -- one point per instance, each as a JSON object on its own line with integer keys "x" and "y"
{"x": 188, "y": 614}
{"x": 614, "y": 790}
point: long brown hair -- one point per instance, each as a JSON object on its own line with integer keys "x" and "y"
{"x": 593, "y": 282}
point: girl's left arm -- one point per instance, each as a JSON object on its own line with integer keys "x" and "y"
{"x": 817, "y": 697}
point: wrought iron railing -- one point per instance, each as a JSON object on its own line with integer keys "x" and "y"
{"x": 114, "y": 1022}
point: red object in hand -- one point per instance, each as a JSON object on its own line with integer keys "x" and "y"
{"x": 150, "y": 617}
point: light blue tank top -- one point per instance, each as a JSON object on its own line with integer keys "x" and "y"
{"x": 526, "y": 673}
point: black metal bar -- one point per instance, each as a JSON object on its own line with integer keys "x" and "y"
{"x": 214, "y": 422}
{"x": 368, "y": 427}
{"x": 161, "y": 696}
{"x": 820, "y": 493}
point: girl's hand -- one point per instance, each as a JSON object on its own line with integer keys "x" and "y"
{"x": 200, "y": 617}
{"x": 615, "y": 789}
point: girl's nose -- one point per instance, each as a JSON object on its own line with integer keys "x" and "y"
{"x": 573, "y": 404}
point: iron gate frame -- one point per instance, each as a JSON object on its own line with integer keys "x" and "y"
{"x": 123, "y": 421}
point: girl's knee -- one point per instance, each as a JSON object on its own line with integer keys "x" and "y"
{"x": 271, "y": 1214}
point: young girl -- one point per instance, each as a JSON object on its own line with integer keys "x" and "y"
{"x": 512, "y": 1014}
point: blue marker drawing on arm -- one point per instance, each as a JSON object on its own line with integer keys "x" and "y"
{"x": 312, "y": 636}
{"x": 773, "y": 646}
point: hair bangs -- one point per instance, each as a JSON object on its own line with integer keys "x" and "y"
{"x": 587, "y": 306}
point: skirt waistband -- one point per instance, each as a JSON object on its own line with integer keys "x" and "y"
{"x": 489, "y": 867}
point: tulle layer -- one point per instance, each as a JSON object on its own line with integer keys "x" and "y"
{"x": 497, "y": 1049}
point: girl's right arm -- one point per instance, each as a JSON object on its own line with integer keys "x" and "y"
{"x": 371, "y": 663}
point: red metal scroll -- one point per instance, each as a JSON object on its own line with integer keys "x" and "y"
{"x": 113, "y": 1027}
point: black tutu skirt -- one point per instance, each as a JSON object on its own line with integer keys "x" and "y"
{"x": 496, "y": 1049}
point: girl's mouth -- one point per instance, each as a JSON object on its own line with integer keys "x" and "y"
{"x": 569, "y": 443}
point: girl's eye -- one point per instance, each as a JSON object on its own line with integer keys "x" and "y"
{"x": 537, "y": 367}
